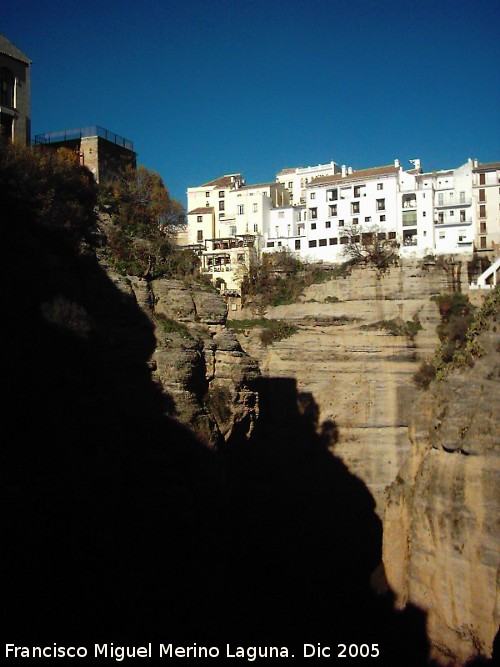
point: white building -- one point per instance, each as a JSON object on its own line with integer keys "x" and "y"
{"x": 296, "y": 179}
{"x": 315, "y": 211}
{"x": 225, "y": 216}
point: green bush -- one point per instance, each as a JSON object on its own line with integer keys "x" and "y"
{"x": 272, "y": 330}
{"x": 425, "y": 374}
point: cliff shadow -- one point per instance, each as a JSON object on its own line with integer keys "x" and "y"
{"x": 107, "y": 503}
{"x": 302, "y": 539}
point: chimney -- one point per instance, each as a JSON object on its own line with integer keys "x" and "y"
{"x": 476, "y": 163}
{"x": 344, "y": 171}
{"x": 349, "y": 170}
{"x": 396, "y": 163}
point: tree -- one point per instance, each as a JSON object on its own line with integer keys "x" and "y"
{"x": 145, "y": 221}
{"x": 370, "y": 245}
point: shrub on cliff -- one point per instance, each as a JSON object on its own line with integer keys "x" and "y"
{"x": 145, "y": 220}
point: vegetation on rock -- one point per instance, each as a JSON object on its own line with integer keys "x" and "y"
{"x": 144, "y": 221}
{"x": 397, "y": 327}
{"x": 458, "y": 331}
{"x": 281, "y": 278}
{"x": 272, "y": 330}
{"x": 370, "y": 246}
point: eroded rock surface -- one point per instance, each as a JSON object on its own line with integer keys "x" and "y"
{"x": 441, "y": 529}
{"x": 198, "y": 362}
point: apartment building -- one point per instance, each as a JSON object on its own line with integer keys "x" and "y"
{"x": 486, "y": 205}
{"x": 296, "y": 179}
{"x": 15, "y": 115}
{"x": 447, "y": 212}
{"x": 226, "y": 222}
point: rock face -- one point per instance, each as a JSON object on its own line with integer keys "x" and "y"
{"x": 441, "y": 529}
{"x": 360, "y": 377}
{"x": 199, "y": 364}
{"x": 437, "y": 456}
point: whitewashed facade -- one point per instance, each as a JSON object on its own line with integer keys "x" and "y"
{"x": 314, "y": 211}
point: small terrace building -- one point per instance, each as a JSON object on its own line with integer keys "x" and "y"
{"x": 105, "y": 153}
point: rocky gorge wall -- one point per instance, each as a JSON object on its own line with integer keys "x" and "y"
{"x": 197, "y": 362}
{"x": 430, "y": 460}
{"x": 441, "y": 530}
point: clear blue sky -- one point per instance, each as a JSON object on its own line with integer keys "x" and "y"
{"x": 210, "y": 87}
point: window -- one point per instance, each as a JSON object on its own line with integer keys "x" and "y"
{"x": 255, "y": 207}
{"x": 482, "y": 179}
{"x": 221, "y": 194}
{"x": 482, "y": 195}
{"x": 334, "y": 241}
{"x": 380, "y": 204}
{"x": 207, "y": 204}
{"x": 232, "y": 230}
{"x": 440, "y": 199}
{"x": 482, "y": 242}
{"x": 207, "y": 194}
{"x": 344, "y": 240}
{"x": 222, "y": 216}
{"x": 297, "y": 244}
{"x": 462, "y": 197}
{"x": 440, "y": 218}
{"x": 482, "y": 228}
{"x": 368, "y": 219}
{"x": 241, "y": 209}
{"x": 322, "y": 242}
{"x": 290, "y": 185}
{"x": 380, "y": 186}
{"x": 482, "y": 211}
{"x": 332, "y": 195}
{"x": 357, "y": 191}
{"x": 312, "y": 244}
{"x": 313, "y": 225}
{"x": 256, "y": 228}
{"x": 199, "y": 218}
{"x": 313, "y": 213}
{"x": 328, "y": 224}
{"x": 452, "y": 213}
{"x": 199, "y": 235}
{"x": 313, "y": 195}
{"x": 392, "y": 235}
{"x": 409, "y": 218}
{"x": 355, "y": 221}
{"x": 442, "y": 235}
{"x": 332, "y": 210}
{"x": 355, "y": 207}
{"x": 270, "y": 244}
{"x": 381, "y": 236}
{"x": 424, "y": 214}
{"x": 222, "y": 205}
{"x": 382, "y": 218}
{"x": 6, "y": 88}
{"x": 341, "y": 223}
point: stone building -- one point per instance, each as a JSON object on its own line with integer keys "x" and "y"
{"x": 105, "y": 153}
{"x": 14, "y": 93}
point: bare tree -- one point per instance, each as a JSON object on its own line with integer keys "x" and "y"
{"x": 370, "y": 246}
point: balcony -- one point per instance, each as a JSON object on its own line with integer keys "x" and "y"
{"x": 453, "y": 203}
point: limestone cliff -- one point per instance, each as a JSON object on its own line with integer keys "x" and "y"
{"x": 198, "y": 363}
{"x": 359, "y": 373}
{"x": 441, "y": 531}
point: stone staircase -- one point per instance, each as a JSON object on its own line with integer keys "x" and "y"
{"x": 491, "y": 272}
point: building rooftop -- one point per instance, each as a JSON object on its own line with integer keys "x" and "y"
{"x": 201, "y": 209}
{"x": 259, "y": 185}
{"x": 487, "y": 166}
{"x": 80, "y": 132}
{"x": 372, "y": 172}
{"x": 222, "y": 181}
{"x": 8, "y": 49}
